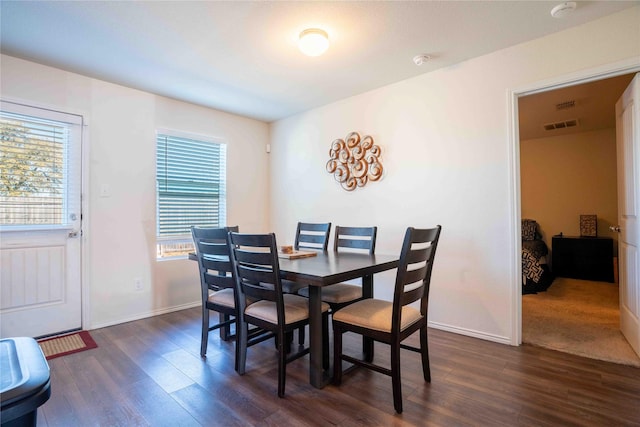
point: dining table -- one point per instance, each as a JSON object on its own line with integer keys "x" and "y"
{"x": 324, "y": 269}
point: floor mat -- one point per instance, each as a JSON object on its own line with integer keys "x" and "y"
{"x": 66, "y": 344}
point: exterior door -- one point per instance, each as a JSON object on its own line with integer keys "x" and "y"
{"x": 628, "y": 151}
{"x": 40, "y": 221}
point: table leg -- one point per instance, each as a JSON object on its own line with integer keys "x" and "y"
{"x": 317, "y": 377}
{"x": 367, "y": 292}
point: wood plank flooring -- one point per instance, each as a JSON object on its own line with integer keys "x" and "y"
{"x": 149, "y": 372}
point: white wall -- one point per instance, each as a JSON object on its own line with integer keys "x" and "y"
{"x": 446, "y": 152}
{"x": 563, "y": 177}
{"x": 120, "y": 229}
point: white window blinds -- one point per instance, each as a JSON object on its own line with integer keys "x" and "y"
{"x": 34, "y": 165}
{"x": 191, "y": 189}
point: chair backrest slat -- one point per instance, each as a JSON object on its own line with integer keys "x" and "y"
{"x": 312, "y": 236}
{"x": 418, "y": 255}
{"x": 251, "y": 274}
{"x": 414, "y": 271}
{"x": 219, "y": 281}
{"x": 259, "y": 258}
{"x": 417, "y": 275}
{"x": 217, "y": 264}
{"x": 212, "y": 248}
{"x": 361, "y": 238}
{"x": 412, "y": 295}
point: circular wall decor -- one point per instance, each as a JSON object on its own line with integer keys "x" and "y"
{"x": 354, "y": 161}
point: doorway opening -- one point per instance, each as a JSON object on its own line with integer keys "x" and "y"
{"x": 567, "y": 167}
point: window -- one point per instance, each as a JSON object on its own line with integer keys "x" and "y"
{"x": 36, "y": 166}
{"x": 191, "y": 189}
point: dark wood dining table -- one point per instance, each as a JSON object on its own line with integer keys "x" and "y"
{"x": 328, "y": 268}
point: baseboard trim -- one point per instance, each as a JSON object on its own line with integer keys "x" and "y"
{"x": 441, "y": 326}
{"x": 147, "y": 314}
{"x": 470, "y": 333}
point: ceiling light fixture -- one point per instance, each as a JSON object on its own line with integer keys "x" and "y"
{"x": 313, "y": 42}
{"x": 563, "y": 9}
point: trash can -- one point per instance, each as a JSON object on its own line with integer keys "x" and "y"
{"x": 24, "y": 381}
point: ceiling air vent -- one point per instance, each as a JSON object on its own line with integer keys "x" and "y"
{"x": 561, "y": 125}
{"x": 565, "y": 105}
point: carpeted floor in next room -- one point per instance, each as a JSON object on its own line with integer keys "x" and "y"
{"x": 579, "y": 317}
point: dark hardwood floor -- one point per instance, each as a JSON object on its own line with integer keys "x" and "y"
{"x": 149, "y": 372}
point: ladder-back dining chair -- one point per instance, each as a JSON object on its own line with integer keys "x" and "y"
{"x": 216, "y": 282}
{"x": 347, "y": 239}
{"x": 314, "y": 236}
{"x": 257, "y": 271}
{"x": 392, "y": 322}
{"x": 309, "y": 235}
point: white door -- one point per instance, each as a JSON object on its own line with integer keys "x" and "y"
{"x": 40, "y": 221}
{"x": 628, "y": 147}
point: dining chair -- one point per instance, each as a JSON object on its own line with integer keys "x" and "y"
{"x": 309, "y": 235}
{"x": 348, "y": 239}
{"x": 392, "y": 322}
{"x": 257, "y": 273}
{"x": 216, "y": 282}
{"x": 314, "y": 236}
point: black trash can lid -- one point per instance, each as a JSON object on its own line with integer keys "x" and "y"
{"x": 24, "y": 370}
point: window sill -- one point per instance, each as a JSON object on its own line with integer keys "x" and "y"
{"x": 172, "y": 258}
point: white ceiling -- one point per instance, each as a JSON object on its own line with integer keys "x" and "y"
{"x": 241, "y": 57}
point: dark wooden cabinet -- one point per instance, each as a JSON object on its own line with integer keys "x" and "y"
{"x": 587, "y": 258}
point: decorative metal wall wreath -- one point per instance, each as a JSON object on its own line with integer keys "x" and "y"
{"x": 354, "y": 162}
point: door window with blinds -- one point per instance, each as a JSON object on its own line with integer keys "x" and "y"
{"x": 35, "y": 167}
{"x": 191, "y": 189}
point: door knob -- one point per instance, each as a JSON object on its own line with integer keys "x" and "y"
{"x": 615, "y": 228}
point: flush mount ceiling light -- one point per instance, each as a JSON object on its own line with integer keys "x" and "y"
{"x": 563, "y": 9}
{"x": 313, "y": 42}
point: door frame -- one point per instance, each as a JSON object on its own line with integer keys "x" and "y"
{"x": 85, "y": 265}
{"x": 628, "y": 66}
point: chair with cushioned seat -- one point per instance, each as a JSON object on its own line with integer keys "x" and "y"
{"x": 352, "y": 239}
{"x": 309, "y": 236}
{"x": 257, "y": 272}
{"x": 216, "y": 282}
{"x": 392, "y": 322}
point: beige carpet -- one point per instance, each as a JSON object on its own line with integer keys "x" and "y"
{"x": 578, "y": 317}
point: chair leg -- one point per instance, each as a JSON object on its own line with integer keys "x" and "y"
{"x": 225, "y": 331}
{"x": 282, "y": 364}
{"x": 424, "y": 351}
{"x": 235, "y": 345}
{"x": 325, "y": 340}
{"x": 337, "y": 355}
{"x": 367, "y": 349}
{"x": 242, "y": 336}
{"x": 288, "y": 342}
{"x": 301, "y": 336}
{"x": 204, "y": 339}
{"x": 395, "y": 376}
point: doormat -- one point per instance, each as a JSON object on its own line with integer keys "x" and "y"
{"x": 66, "y": 344}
